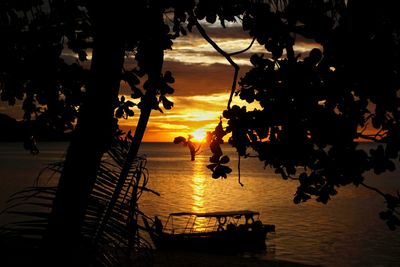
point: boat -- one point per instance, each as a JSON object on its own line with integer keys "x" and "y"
{"x": 212, "y": 231}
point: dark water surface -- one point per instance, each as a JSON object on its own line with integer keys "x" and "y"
{"x": 345, "y": 232}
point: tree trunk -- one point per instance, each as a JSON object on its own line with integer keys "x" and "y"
{"x": 95, "y": 128}
{"x": 154, "y": 59}
{"x": 92, "y": 137}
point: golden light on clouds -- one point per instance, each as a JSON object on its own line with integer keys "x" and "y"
{"x": 194, "y": 50}
{"x": 190, "y": 115}
{"x": 203, "y": 80}
{"x": 200, "y": 115}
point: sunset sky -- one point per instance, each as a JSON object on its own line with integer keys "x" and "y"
{"x": 203, "y": 81}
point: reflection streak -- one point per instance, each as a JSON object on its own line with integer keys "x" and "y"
{"x": 198, "y": 196}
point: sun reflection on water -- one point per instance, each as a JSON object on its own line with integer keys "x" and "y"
{"x": 198, "y": 191}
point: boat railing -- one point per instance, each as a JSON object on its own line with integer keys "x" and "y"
{"x": 193, "y": 224}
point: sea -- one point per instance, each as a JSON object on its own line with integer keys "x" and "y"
{"x": 345, "y": 232}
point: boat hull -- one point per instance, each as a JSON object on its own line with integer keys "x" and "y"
{"x": 214, "y": 241}
{"x": 229, "y": 231}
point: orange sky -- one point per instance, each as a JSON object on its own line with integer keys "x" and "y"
{"x": 203, "y": 80}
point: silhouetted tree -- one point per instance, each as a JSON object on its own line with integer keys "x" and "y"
{"x": 191, "y": 146}
{"x": 312, "y": 110}
{"x": 34, "y": 70}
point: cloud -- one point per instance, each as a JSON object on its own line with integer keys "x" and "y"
{"x": 168, "y": 126}
{"x": 197, "y": 79}
{"x": 203, "y": 80}
{"x": 193, "y": 49}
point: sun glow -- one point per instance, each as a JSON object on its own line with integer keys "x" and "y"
{"x": 199, "y": 135}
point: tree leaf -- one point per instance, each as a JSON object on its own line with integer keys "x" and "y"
{"x": 224, "y": 160}
{"x": 168, "y": 77}
{"x": 119, "y": 112}
{"x": 129, "y": 112}
{"x": 166, "y": 103}
{"x": 214, "y": 159}
{"x": 212, "y": 166}
{"x": 137, "y": 93}
{"x": 130, "y": 78}
{"x": 129, "y": 104}
{"x": 179, "y": 139}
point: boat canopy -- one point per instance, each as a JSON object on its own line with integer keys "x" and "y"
{"x": 217, "y": 213}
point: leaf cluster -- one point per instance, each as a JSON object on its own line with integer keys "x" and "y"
{"x": 218, "y": 160}
{"x": 34, "y": 69}
{"x": 314, "y": 110}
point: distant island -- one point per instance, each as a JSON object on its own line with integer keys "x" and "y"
{"x": 13, "y": 130}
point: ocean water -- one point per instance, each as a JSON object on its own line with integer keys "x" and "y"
{"x": 345, "y": 232}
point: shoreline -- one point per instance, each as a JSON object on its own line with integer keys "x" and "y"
{"x": 180, "y": 258}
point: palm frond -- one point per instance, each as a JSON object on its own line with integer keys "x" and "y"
{"x": 111, "y": 232}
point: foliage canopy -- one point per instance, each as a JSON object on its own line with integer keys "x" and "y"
{"x": 312, "y": 113}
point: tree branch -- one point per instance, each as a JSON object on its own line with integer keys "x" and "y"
{"x": 243, "y": 50}
{"x": 374, "y": 137}
{"x": 373, "y": 189}
{"x": 241, "y": 184}
{"x": 224, "y": 54}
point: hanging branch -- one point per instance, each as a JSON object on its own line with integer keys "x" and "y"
{"x": 227, "y": 56}
{"x": 243, "y": 50}
{"x": 393, "y": 202}
{"x": 373, "y": 189}
{"x": 241, "y": 184}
